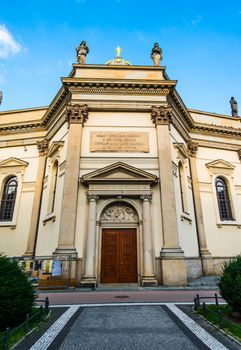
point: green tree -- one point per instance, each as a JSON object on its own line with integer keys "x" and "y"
{"x": 230, "y": 283}
{"x": 16, "y": 294}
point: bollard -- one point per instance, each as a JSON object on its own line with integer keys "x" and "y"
{"x": 47, "y": 305}
{"x": 5, "y": 338}
{"x": 26, "y": 323}
{"x": 195, "y": 304}
{"x": 198, "y": 300}
{"x": 40, "y": 312}
{"x": 216, "y": 299}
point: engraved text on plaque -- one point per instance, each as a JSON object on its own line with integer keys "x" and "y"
{"x": 115, "y": 141}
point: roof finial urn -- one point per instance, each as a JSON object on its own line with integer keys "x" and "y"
{"x": 82, "y": 51}
{"x": 156, "y": 55}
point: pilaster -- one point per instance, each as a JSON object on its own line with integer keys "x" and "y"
{"x": 207, "y": 262}
{"x": 172, "y": 257}
{"x": 76, "y": 116}
{"x": 33, "y": 230}
{"x": 89, "y": 279}
{"x": 148, "y": 277}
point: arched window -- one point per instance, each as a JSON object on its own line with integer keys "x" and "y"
{"x": 224, "y": 205}
{"x": 8, "y": 198}
{"x": 180, "y": 174}
{"x": 53, "y": 187}
{"x": 183, "y": 187}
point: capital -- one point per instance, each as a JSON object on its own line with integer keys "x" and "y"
{"x": 92, "y": 197}
{"x": 161, "y": 115}
{"x": 76, "y": 114}
{"x": 146, "y": 197}
{"x": 239, "y": 153}
{"x": 192, "y": 148}
{"x": 43, "y": 147}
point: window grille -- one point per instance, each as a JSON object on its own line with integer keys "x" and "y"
{"x": 8, "y": 199}
{"x": 224, "y": 204}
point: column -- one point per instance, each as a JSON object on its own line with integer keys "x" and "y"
{"x": 206, "y": 258}
{"x": 33, "y": 231}
{"x": 89, "y": 279}
{"x": 76, "y": 116}
{"x": 148, "y": 277}
{"x": 172, "y": 257}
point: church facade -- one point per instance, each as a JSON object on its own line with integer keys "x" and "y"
{"x": 120, "y": 178}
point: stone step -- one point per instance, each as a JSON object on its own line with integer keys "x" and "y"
{"x": 204, "y": 281}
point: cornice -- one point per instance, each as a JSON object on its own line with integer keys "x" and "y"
{"x": 181, "y": 107}
{"x": 22, "y": 127}
{"x": 216, "y": 129}
{"x": 23, "y": 110}
{"x": 118, "y": 86}
{"x": 55, "y": 104}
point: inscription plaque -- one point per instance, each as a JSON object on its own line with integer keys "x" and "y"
{"x": 115, "y": 141}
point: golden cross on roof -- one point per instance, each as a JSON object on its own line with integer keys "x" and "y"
{"x": 118, "y": 51}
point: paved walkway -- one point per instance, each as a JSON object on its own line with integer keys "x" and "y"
{"x": 142, "y": 327}
{"x": 82, "y": 297}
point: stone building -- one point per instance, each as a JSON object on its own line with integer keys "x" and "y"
{"x": 120, "y": 178}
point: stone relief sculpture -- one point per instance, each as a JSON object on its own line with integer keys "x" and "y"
{"x": 119, "y": 213}
{"x": 156, "y": 55}
{"x": 234, "y": 107}
{"x": 82, "y": 52}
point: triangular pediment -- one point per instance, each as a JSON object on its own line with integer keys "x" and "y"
{"x": 54, "y": 147}
{"x": 13, "y": 162}
{"x": 119, "y": 172}
{"x": 220, "y": 164}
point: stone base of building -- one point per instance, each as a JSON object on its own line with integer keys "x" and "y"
{"x": 68, "y": 252}
{"x": 173, "y": 267}
{"x": 207, "y": 264}
{"x": 88, "y": 282}
{"x": 148, "y": 281}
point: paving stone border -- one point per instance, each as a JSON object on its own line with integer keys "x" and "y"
{"x": 195, "y": 328}
{"x": 44, "y": 342}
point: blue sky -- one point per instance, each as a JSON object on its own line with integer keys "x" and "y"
{"x": 201, "y": 43}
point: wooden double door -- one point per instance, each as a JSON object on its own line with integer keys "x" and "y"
{"x": 119, "y": 257}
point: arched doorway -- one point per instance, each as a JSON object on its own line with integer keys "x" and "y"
{"x": 119, "y": 244}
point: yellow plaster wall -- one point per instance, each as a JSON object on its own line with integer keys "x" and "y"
{"x": 225, "y": 240}
{"x": 187, "y": 231}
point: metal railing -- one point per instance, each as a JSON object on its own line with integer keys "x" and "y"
{"x": 26, "y": 325}
{"x": 220, "y": 320}
{"x": 197, "y": 300}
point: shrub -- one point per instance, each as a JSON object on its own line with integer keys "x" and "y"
{"x": 16, "y": 294}
{"x": 230, "y": 283}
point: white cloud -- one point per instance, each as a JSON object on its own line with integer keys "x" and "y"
{"x": 196, "y": 20}
{"x": 8, "y": 45}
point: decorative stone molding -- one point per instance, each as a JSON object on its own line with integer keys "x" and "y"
{"x": 119, "y": 212}
{"x": 76, "y": 114}
{"x": 55, "y": 148}
{"x": 43, "y": 147}
{"x": 92, "y": 197}
{"x": 182, "y": 152}
{"x": 12, "y": 166}
{"x": 192, "y": 148}
{"x": 239, "y": 153}
{"x": 220, "y": 167}
{"x": 146, "y": 197}
{"x": 161, "y": 115}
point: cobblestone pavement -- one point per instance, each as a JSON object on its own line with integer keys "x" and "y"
{"x": 131, "y": 326}
{"x": 137, "y": 327}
